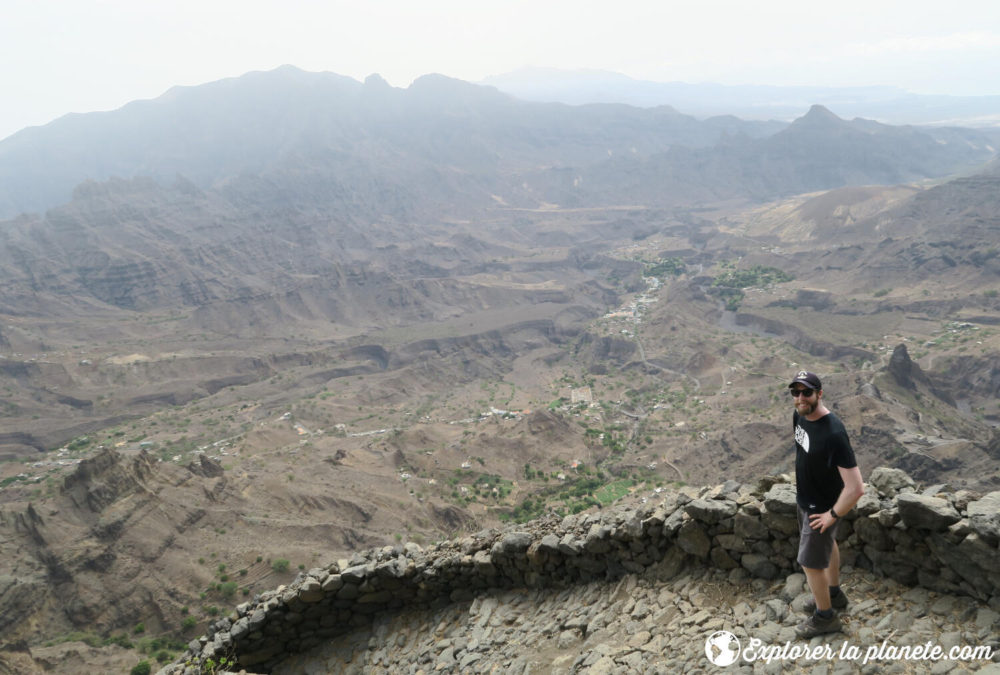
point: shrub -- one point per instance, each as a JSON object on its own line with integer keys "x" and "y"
{"x": 188, "y": 623}
{"x": 120, "y": 640}
{"x": 280, "y": 565}
{"x": 671, "y": 266}
{"x": 142, "y": 668}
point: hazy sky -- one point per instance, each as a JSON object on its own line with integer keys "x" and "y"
{"x": 60, "y": 56}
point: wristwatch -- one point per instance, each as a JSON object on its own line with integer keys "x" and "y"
{"x": 834, "y": 514}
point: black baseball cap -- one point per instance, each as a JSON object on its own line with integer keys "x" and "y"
{"x": 806, "y": 379}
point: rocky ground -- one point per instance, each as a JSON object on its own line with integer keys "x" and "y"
{"x": 658, "y": 622}
{"x": 388, "y": 434}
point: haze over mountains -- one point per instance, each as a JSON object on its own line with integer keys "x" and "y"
{"x": 287, "y": 202}
{"x": 293, "y": 307}
{"x": 887, "y": 104}
{"x": 454, "y": 143}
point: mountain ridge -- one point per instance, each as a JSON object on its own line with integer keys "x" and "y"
{"x": 290, "y": 121}
{"x": 448, "y": 315}
{"x": 891, "y": 105}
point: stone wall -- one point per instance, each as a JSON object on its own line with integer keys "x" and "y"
{"x": 942, "y": 540}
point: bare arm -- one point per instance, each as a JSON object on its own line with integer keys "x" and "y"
{"x": 853, "y": 490}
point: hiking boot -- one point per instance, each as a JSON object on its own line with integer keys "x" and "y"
{"x": 839, "y": 602}
{"x": 817, "y": 625}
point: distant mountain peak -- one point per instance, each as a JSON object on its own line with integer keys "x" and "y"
{"x": 376, "y": 80}
{"x": 288, "y": 68}
{"x": 819, "y": 114}
{"x": 439, "y": 86}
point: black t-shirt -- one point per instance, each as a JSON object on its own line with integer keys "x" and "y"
{"x": 820, "y": 447}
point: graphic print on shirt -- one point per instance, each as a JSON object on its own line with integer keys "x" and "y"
{"x": 802, "y": 438}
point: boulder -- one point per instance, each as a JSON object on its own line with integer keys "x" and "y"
{"x": 310, "y": 591}
{"x": 890, "y": 481}
{"x": 511, "y": 545}
{"x": 710, "y": 510}
{"x": 569, "y": 545}
{"x": 781, "y": 499}
{"x": 984, "y": 517}
{"x": 871, "y": 532}
{"x": 692, "y": 539}
{"x": 867, "y": 505}
{"x": 356, "y": 573}
{"x": 748, "y": 527}
{"x": 549, "y": 544}
{"x": 785, "y": 524}
{"x": 759, "y": 566}
{"x": 926, "y": 513}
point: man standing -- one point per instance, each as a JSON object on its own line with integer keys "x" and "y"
{"x": 827, "y": 485}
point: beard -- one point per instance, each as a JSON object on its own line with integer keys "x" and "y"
{"x": 806, "y": 408}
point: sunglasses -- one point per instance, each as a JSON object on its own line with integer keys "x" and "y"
{"x": 801, "y": 392}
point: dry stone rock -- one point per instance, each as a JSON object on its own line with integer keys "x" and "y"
{"x": 890, "y": 481}
{"x": 926, "y": 513}
{"x": 310, "y": 591}
{"x": 984, "y": 517}
{"x": 759, "y": 566}
{"x": 692, "y": 539}
{"x": 780, "y": 499}
{"x": 494, "y": 601}
{"x": 710, "y": 511}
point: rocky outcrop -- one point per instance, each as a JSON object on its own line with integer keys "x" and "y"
{"x": 908, "y": 375}
{"x": 89, "y": 558}
{"x": 946, "y": 542}
{"x": 903, "y": 370}
{"x": 206, "y": 467}
{"x": 102, "y": 479}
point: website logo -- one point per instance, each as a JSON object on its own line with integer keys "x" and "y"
{"x": 722, "y": 648}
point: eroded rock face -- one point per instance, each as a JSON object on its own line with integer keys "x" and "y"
{"x": 206, "y": 467}
{"x": 941, "y": 542}
{"x": 903, "y": 369}
{"x": 80, "y": 561}
{"x": 909, "y": 375}
{"x": 104, "y": 478}
{"x": 818, "y": 300}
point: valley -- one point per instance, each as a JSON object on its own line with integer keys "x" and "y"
{"x": 551, "y": 388}
{"x": 209, "y": 386}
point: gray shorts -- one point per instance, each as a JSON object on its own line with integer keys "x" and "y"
{"x": 815, "y": 547}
